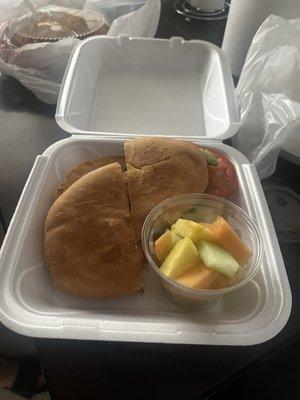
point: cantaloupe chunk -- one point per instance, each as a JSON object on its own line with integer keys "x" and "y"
{"x": 182, "y": 257}
{"x": 192, "y": 230}
{"x": 199, "y": 277}
{"x": 164, "y": 244}
{"x": 226, "y": 237}
{"x": 220, "y": 283}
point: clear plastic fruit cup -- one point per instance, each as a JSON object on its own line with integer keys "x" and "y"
{"x": 200, "y": 208}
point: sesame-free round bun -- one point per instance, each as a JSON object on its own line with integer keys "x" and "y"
{"x": 90, "y": 246}
{"x": 160, "y": 168}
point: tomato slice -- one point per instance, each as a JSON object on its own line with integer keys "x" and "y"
{"x": 222, "y": 178}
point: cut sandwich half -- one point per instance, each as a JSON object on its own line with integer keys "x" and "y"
{"x": 160, "y": 168}
{"x": 90, "y": 247}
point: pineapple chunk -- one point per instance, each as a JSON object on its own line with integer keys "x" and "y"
{"x": 164, "y": 244}
{"x": 192, "y": 230}
{"x": 182, "y": 257}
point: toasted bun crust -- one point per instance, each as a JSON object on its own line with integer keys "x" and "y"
{"x": 84, "y": 168}
{"x": 90, "y": 246}
{"x": 159, "y": 168}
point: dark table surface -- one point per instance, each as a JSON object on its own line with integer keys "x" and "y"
{"x": 110, "y": 370}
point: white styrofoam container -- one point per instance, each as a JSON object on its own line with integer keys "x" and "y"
{"x": 131, "y": 87}
{"x": 30, "y": 305}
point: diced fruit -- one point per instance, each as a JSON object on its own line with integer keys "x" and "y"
{"x": 192, "y": 230}
{"x": 182, "y": 257}
{"x": 221, "y": 282}
{"x": 215, "y": 257}
{"x": 199, "y": 277}
{"x": 226, "y": 237}
{"x": 164, "y": 244}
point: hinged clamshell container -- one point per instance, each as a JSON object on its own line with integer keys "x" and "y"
{"x": 115, "y": 89}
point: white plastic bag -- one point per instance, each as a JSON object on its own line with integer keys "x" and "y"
{"x": 268, "y": 93}
{"x": 40, "y": 66}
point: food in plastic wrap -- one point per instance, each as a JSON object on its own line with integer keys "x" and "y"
{"x": 52, "y": 24}
{"x": 36, "y": 42}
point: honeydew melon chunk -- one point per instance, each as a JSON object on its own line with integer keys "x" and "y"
{"x": 217, "y": 258}
{"x": 225, "y": 236}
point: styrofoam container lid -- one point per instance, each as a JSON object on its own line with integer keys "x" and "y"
{"x": 136, "y": 86}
